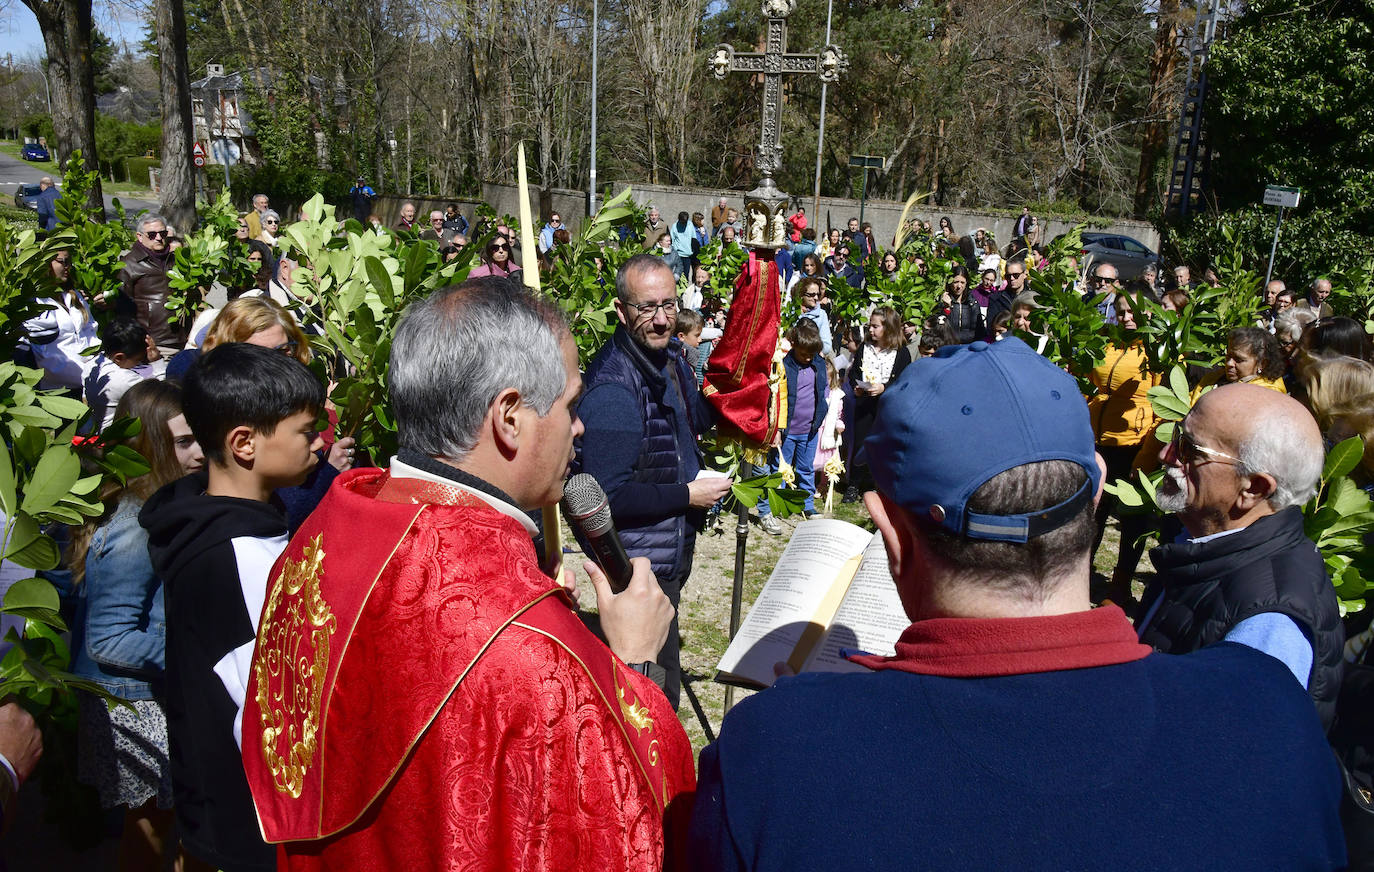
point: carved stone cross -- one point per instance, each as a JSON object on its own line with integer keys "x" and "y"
{"x": 775, "y": 62}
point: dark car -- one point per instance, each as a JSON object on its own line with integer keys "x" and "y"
{"x": 33, "y": 151}
{"x": 23, "y": 196}
{"x": 1129, "y": 256}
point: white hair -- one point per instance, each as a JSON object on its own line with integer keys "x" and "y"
{"x": 1289, "y": 324}
{"x": 1279, "y": 447}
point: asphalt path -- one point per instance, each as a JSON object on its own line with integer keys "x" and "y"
{"x": 14, "y": 172}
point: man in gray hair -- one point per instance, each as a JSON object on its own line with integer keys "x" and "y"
{"x": 1238, "y": 471}
{"x": 462, "y": 708}
{"x": 143, "y": 287}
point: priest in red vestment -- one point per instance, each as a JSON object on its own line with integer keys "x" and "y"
{"x": 422, "y": 695}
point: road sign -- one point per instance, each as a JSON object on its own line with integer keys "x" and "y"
{"x": 868, "y": 161}
{"x": 198, "y": 155}
{"x": 225, "y": 151}
{"x": 1280, "y": 195}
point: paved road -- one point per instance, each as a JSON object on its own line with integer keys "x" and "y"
{"x": 14, "y": 172}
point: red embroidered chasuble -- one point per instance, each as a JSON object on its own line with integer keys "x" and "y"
{"x": 422, "y": 697}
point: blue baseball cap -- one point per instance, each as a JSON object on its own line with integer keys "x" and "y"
{"x": 951, "y": 422}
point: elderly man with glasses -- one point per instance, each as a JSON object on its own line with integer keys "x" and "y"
{"x": 1102, "y": 279}
{"x": 435, "y": 231}
{"x": 144, "y": 288}
{"x": 643, "y": 413}
{"x": 1237, "y": 473}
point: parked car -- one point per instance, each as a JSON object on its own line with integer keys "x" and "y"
{"x": 33, "y": 151}
{"x": 1128, "y": 255}
{"x": 23, "y": 196}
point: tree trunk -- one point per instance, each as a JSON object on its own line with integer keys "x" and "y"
{"x": 1154, "y": 141}
{"x": 178, "y": 170}
{"x": 66, "y": 28}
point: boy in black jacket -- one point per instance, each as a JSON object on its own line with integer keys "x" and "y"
{"x": 213, "y": 537}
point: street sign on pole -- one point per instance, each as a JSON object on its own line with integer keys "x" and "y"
{"x": 198, "y": 155}
{"x": 866, "y": 162}
{"x": 1281, "y": 196}
{"x": 1285, "y": 198}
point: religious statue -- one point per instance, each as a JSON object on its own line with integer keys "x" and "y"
{"x": 758, "y": 225}
{"x": 779, "y": 230}
{"x": 720, "y": 61}
{"x": 832, "y": 63}
{"x": 778, "y": 8}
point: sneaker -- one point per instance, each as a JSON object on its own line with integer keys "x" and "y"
{"x": 813, "y": 514}
{"x": 770, "y": 525}
{"x": 851, "y": 495}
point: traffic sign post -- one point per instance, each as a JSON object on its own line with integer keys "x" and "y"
{"x": 1285, "y": 198}
{"x": 866, "y": 162}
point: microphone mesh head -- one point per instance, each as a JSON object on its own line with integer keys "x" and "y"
{"x": 585, "y": 501}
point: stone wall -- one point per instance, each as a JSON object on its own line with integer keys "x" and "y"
{"x": 882, "y": 214}
{"x": 834, "y": 211}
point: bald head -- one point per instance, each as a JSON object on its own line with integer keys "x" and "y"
{"x": 1272, "y": 290}
{"x": 1271, "y": 433}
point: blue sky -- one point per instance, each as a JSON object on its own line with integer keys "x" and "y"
{"x": 20, "y": 36}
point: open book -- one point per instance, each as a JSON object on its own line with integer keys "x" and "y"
{"x": 830, "y": 594}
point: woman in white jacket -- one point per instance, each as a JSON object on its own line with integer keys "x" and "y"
{"x": 65, "y": 329}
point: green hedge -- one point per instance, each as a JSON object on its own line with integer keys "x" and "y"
{"x": 287, "y": 187}
{"x": 136, "y": 168}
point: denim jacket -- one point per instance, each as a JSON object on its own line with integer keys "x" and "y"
{"x": 121, "y": 630}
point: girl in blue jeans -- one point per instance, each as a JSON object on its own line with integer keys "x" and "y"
{"x": 807, "y": 387}
{"x": 119, "y": 636}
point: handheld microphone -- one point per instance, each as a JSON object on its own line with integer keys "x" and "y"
{"x": 589, "y": 514}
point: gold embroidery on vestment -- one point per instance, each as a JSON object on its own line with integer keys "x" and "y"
{"x": 295, "y": 614}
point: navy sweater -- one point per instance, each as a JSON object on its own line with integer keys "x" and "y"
{"x": 1212, "y": 760}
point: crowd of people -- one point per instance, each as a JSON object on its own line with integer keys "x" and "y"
{"x": 332, "y": 667}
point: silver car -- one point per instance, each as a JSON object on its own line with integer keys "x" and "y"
{"x": 1129, "y": 256}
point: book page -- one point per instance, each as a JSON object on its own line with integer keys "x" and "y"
{"x": 869, "y": 619}
{"x": 790, "y": 601}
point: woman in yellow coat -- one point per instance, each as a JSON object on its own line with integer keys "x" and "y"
{"x": 1122, "y": 418}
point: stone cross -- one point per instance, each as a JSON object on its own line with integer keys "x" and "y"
{"x": 775, "y": 62}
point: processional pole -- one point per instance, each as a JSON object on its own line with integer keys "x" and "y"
{"x": 765, "y": 223}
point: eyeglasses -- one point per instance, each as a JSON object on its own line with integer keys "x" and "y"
{"x": 62, "y": 260}
{"x": 271, "y": 221}
{"x": 288, "y": 347}
{"x": 155, "y": 234}
{"x": 500, "y": 246}
{"x": 1101, "y": 280}
{"x": 1190, "y": 454}
{"x": 650, "y": 310}
{"x": 1014, "y": 275}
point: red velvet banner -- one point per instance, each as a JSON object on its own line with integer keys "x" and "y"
{"x": 738, "y": 368}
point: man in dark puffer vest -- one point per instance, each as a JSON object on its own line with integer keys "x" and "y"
{"x": 1240, "y": 467}
{"x": 643, "y": 412}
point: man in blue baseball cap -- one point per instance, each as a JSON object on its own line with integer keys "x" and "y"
{"x": 1015, "y": 727}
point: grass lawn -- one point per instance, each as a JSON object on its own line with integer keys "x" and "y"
{"x": 49, "y": 168}
{"x": 40, "y": 167}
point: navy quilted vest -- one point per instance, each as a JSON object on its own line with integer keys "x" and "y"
{"x": 668, "y": 446}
